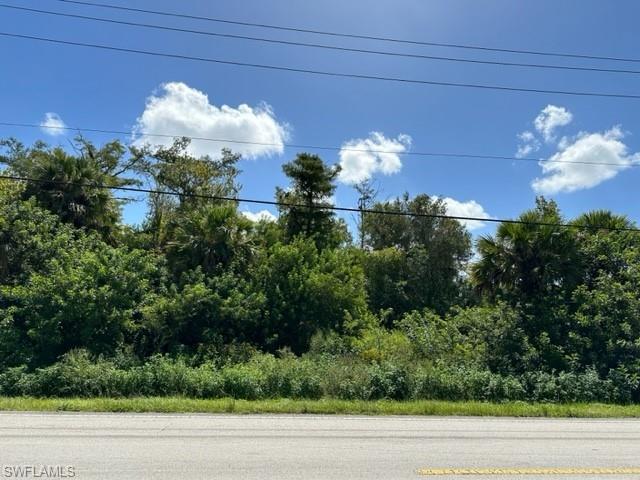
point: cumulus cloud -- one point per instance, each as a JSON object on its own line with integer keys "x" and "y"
{"x": 583, "y": 150}
{"x": 360, "y": 158}
{"x": 52, "y": 124}
{"x": 265, "y": 215}
{"x": 528, "y": 144}
{"x": 546, "y": 123}
{"x": 466, "y": 209}
{"x": 549, "y": 119}
{"x": 176, "y": 109}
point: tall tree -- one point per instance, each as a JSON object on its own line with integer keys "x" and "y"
{"x": 366, "y": 198}
{"x": 307, "y": 290}
{"x": 528, "y": 261}
{"x": 534, "y": 265}
{"x": 606, "y": 322}
{"x": 66, "y": 288}
{"x": 63, "y": 183}
{"x": 177, "y": 170}
{"x": 191, "y": 180}
{"x": 312, "y": 185}
{"x": 212, "y": 237}
{"x": 418, "y": 256}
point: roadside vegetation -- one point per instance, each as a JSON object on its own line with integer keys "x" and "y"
{"x": 199, "y": 302}
{"x": 319, "y": 407}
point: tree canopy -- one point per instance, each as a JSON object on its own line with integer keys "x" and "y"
{"x": 543, "y": 295}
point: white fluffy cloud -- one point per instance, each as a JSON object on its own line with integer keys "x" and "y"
{"x": 360, "y": 158}
{"x": 466, "y": 209}
{"x": 549, "y": 119}
{"x": 265, "y": 215}
{"x": 528, "y": 144}
{"x": 179, "y": 110}
{"x": 546, "y": 123}
{"x": 52, "y": 124}
{"x": 584, "y": 149}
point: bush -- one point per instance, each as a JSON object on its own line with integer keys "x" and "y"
{"x": 389, "y": 381}
{"x": 307, "y": 290}
{"x": 347, "y": 377}
{"x": 380, "y": 345}
{"x": 466, "y": 384}
{"x": 566, "y": 387}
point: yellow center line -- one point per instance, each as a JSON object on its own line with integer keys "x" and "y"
{"x": 529, "y": 471}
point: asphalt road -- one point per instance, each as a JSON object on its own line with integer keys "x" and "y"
{"x": 151, "y": 446}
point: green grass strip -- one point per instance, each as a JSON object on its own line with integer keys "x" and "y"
{"x": 325, "y": 406}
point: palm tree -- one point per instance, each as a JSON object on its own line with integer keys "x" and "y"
{"x": 63, "y": 186}
{"x": 603, "y": 246}
{"x": 526, "y": 261}
{"x": 212, "y": 237}
{"x": 64, "y": 183}
{"x": 602, "y": 220}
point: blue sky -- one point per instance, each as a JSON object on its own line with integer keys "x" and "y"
{"x": 110, "y": 90}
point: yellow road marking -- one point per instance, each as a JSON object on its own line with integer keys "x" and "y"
{"x": 529, "y": 471}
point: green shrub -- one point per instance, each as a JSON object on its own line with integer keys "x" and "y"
{"x": 379, "y": 345}
{"x": 243, "y": 382}
{"x": 346, "y": 377}
{"x": 389, "y": 381}
{"x": 466, "y": 384}
{"x": 566, "y": 387}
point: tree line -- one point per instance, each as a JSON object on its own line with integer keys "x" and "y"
{"x": 200, "y": 282}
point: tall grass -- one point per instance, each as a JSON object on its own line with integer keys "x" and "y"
{"x": 323, "y": 406}
{"x": 338, "y": 378}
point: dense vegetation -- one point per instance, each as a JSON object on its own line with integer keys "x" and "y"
{"x": 200, "y": 301}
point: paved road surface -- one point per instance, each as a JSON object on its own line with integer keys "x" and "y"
{"x": 282, "y": 447}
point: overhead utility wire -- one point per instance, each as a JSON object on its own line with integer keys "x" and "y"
{"x": 352, "y": 35}
{"x": 323, "y": 72}
{"x": 319, "y": 147}
{"x": 323, "y": 46}
{"x": 314, "y": 206}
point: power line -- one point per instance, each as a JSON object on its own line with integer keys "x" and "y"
{"x": 315, "y": 206}
{"x": 324, "y": 72}
{"x": 322, "y": 147}
{"x": 352, "y": 35}
{"x": 323, "y": 46}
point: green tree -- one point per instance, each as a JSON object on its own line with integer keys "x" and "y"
{"x": 202, "y": 313}
{"x": 88, "y": 297}
{"x": 418, "y": 256}
{"x": 29, "y": 236}
{"x": 534, "y": 265}
{"x": 306, "y": 291}
{"x": 176, "y": 170}
{"x": 212, "y": 237}
{"x": 312, "y": 185}
{"x": 366, "y": 198}
{"x": 190, "y": 180}
{"x": 530, "y": 261}
{"x": 606, "y": 323}
{"x": 387, "y": 282}
{"x": 10, "y": 193}
{"x": 601, "y": 247}
{"x": 62, "y": 182}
